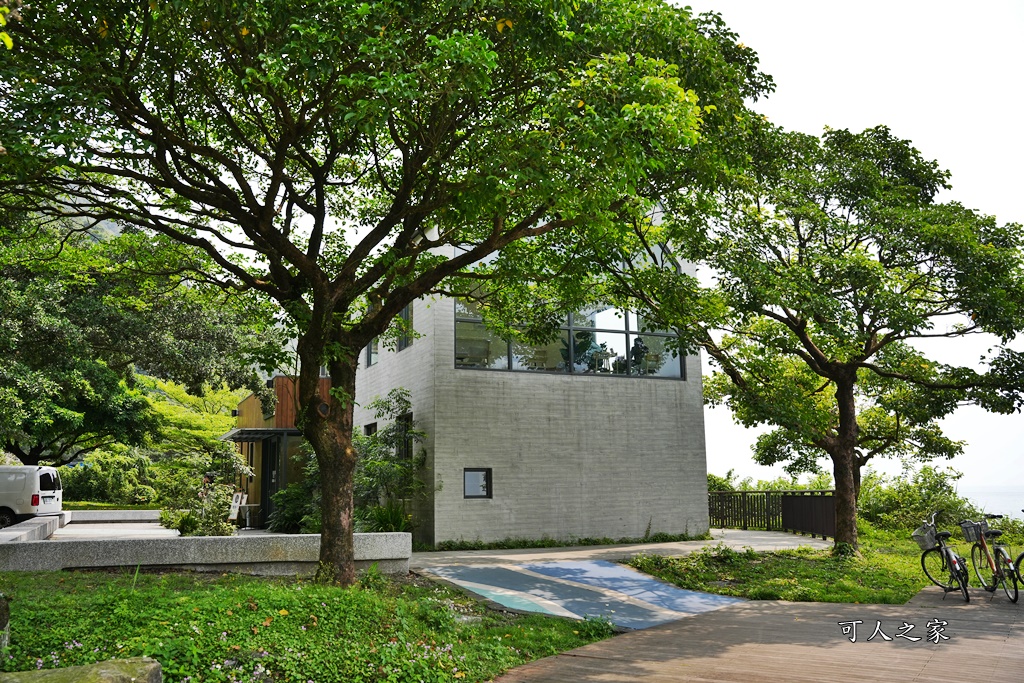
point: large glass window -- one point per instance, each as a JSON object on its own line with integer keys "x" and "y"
{"x": 600, "y": 340}
{"x": 651, "y": 356}
{"x": 555, "y": 356}
{"x": 478, "y": 347}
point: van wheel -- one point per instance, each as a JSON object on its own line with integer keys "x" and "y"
{"x": 6, "y": 517}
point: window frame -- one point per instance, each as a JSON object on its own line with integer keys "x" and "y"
{"x": 405, "y": 339}
{"x": 488, "y": 473}
{"x": 405, "y": 448}
{"x": 372, "y": 352}
{"x": 630, "y": 320}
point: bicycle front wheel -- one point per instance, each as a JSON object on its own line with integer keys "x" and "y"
{"x": 963, "y": 579}
{"x": 979, "y": 558}
{"x": 1008, "y": 575}
{"x": 933, "y": 562}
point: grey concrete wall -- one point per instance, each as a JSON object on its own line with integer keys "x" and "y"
{"x": 572, "y": 456}
{"x": 258, "y": 554}
{"x": 413, "y": 369}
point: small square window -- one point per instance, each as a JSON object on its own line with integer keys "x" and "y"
{"x": 476, "y": 483}
{"x": 370, "y": 429}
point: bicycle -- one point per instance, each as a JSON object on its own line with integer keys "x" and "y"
{"x": 992, "y": 563}
{"x": 941, "y": 564}
{"x": 1017, "y": 566}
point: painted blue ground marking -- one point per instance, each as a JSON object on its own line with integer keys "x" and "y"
{"x": 578, "y": 599}
{"x": 611, "y": 576}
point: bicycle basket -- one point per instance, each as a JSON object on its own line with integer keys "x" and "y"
{"x": 924, "y": 536}
{"x": 973, "y": 530}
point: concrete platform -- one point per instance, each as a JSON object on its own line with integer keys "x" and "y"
{"x": 110, "y": 530}
{"x": 147, "y": 544}
{"x": 109, "y": 516}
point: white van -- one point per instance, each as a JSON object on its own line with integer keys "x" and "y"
{"x": 28, "y": 491}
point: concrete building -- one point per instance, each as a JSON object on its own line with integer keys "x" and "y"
{"x": 598, "y": 434}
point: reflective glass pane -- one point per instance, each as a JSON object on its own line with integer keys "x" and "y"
{"x": 476, "y": 483}
{"x": 644, "y": 324}
{"x": 465, "y": 308}
{"x": 599, "y": 352}
{"x": 650, "y": 356}
{"x": 478, "y": 347}
{"x": 372, "y": 352}
{"x": 551, "y": 357}
{"x": 600, "y": 317}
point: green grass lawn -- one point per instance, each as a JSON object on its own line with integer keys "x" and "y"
{"x": 237, "y": 628}
{"x": 888, "y": 571}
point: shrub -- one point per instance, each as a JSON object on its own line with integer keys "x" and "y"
{"x": 206, "y": 516}
{"x": 124, "y": 478}
{"x": 902, "y": 502}
{"x": 386, "y": 474}
{"x": 290, "y": 505}
{"x": 726, "y": 483}
{"x": 389, "y": 517}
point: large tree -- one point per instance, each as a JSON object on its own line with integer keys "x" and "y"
{"x": 830, "y": 259}
{"x": 80, "y": 315}
{"x": 347, "y": 158}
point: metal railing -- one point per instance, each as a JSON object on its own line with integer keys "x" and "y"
{"x": 800, "y": 511}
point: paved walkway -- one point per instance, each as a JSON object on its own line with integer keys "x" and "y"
{"x": 760, "y": 641}
{"x": 587, "y": 581}
{"x": 583, "y": 588}
{"x": 755, "y": 641}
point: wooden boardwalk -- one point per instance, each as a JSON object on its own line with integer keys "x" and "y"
{"x": 796, "y": 642}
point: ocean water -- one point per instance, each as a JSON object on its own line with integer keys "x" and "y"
{"x": 997, "y": 501}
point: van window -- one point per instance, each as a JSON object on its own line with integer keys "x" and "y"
{"x": 49, "y": 481}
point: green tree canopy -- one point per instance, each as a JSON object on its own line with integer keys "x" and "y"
{"x": 829, "y": 264}
{"x": 79, "y": 318}
{"x": 347, "y": 158}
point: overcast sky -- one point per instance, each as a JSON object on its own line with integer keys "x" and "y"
{"x": 947, "y": 76}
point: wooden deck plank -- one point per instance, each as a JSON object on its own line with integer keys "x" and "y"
{"x": 761, "y": 641}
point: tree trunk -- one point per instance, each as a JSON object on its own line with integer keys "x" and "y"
{"x": 29, "y": 457}
{"x": 844, "y": 466}
{"x": 326, "y": 422}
